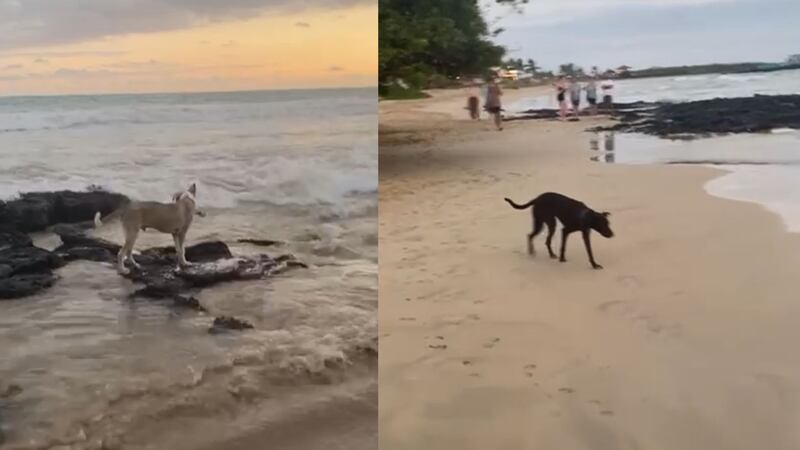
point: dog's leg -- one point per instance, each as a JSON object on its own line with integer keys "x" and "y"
{"x": 180, "y": 250}
{"x": 176, "y": 238}
{"x": 183, "y": 252}
{"x": 588, "y": 244}
{"x": 121, "y": 262}
{"x": 564, "y": 235}
{"x": 133, "y": 261}
{"x": 537, "y": 227}
{"x": 551, "y": 230}
{"x": 127, "y": 250}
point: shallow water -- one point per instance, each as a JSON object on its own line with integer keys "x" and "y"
{"x": 299, "y": 167}
{"x": 761, "y": 168}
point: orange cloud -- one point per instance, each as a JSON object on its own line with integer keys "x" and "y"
{"x": 337, "y": 48}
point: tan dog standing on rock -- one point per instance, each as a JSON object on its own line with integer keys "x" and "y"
{"x": 171, "y": 218}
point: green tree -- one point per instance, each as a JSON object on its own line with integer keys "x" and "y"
{"x": 423, "y": 39}
{"x": 567, "y": 69}
{"x": 531, "y": 67}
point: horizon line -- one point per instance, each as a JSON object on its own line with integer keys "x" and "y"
{"x": 87, "y": 94}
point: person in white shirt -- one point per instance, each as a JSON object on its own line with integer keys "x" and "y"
{"x": 591, "y": 94}
{"x": 575, "y": 96}
{"x": 608, "y": 96}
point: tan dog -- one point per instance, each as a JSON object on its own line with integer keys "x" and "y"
{"x": 172, "y": 218}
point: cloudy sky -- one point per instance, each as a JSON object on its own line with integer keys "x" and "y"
{"x": 643, "y": 33}
{"x": 89, "y": 46}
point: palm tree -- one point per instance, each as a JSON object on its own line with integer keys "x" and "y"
{"x": 567, "y": 69}
{"x": 531, "y": 67}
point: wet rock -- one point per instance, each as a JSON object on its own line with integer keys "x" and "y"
{"x": 25, "y": 269}
{"x": 29, "y": 260}
{"x": 20, "y": 286}
{"x": 36, "y": 211}
{"x": 260, "y": 242}
{"x": 183, "y": 301}
{"x": 702, "y": 118}
{"x": 9, "y": 391}
{"x": 211, "y": 263}
{"x": 13, "y": 238}
{"x": 224, "y": 323}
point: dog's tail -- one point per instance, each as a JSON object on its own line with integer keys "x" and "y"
{"x": 517, "y": 206}
{"x": 98, "y": 221}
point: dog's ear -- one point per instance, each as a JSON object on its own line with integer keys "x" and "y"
{"x": 193, "y": 189}
{"x": 605, "y": 213}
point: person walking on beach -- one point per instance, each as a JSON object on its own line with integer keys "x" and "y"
{"x": 591, "y": 95}
{"x": 474, "y": 101}
{"x": 608, "y": 96}
{"x": 575, "y": 96}
{"x": 493, "y": 104}
{"x": 561, "y": 91}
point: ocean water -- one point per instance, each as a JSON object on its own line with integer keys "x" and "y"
{"x": 685, "y": 88}
{"x": 761, "y": 168}
{"x": 296, "y": 166}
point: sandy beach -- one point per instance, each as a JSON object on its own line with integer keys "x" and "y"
{"x": 686, "y": 340}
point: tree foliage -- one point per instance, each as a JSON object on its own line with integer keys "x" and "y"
{"x": 424, "y": 39}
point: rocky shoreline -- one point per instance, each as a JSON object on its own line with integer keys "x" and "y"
{"x": 703, "y": 118}
{"x": 26, "y": 269}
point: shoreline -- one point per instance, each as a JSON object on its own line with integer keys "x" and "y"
{"x": 485, "y": 347}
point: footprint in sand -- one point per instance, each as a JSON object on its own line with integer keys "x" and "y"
{"x": 612, "y": 305}
{"x": 629, "y": 281}
{"x": 607, "y": 412}
{"x": 491, "y": 343}
{"x": 408, "y": 319}
{"x": 438, "y": 346}
{"x": 566, "y": 390}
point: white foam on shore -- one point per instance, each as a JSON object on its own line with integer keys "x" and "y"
{"x": 759, "y": 168}
{"x": 775, "y": 187}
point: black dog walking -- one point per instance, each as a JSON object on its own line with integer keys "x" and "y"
{"x": 573, "y": 215}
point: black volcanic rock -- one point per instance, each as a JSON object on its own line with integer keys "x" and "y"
{"x": 759, "y": 113}
{"x": 212, "y": 263}
{"x": 224, "y": 323}
{"x": 26, "y": 269}
{"x": 36, "y": 211}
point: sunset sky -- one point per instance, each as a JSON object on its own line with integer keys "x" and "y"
{"x": 99, "y": 46}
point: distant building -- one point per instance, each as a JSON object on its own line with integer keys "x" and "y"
{"x": 507, "y": 74}
{"x": 623, "y": 71}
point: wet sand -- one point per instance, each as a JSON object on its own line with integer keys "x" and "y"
{"x": 685, "y": 340}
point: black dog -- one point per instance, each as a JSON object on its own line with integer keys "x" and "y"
{"x": 573, "y": 215}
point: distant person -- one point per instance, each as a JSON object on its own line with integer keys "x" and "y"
{"x": 575, "y": 96}
{"x": 561, "y": 92}
{"x": 591, "y": 95}
{"x": 607, "y": 87}
{"x": 493, "y": 104}
{"x": 474, "y": 101}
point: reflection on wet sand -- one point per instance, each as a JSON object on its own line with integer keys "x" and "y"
{"x": 608, "y": 145}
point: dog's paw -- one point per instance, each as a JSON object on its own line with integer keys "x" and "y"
{"x": 554, "y": 256}
{"x": 563, "y": 260}
{"x": 597, "y": 266}
{"x": 124, "y": 271}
